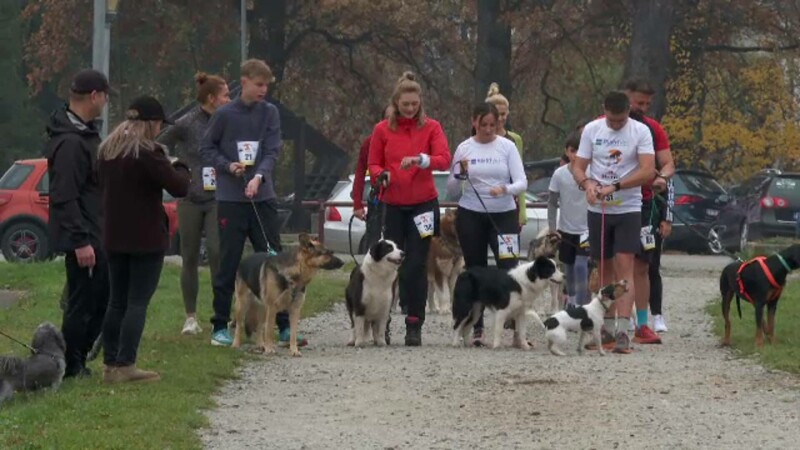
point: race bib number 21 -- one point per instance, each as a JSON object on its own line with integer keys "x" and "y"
{"x": 248, "y": 151}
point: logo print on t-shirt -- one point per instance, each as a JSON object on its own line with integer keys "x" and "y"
{"x": 615, "y": 156}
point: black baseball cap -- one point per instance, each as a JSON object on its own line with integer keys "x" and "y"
{"x": 146, "y": 108}
{"x": 88, "y": 81}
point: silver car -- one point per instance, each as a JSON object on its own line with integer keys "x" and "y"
{"x": 337, "y": 218}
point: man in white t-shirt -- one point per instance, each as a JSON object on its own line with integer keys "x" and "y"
{"x": 622, "y": 159}
{"x": 569, "y": 203}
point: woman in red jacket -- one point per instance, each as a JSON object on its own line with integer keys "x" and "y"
{"x": 404, "y": 150}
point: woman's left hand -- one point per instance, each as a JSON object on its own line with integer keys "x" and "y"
{"x": 409, "y": 161}
{"x": 497, "y": 191}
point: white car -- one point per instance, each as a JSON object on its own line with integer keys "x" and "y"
{"x": 337, "y": 218}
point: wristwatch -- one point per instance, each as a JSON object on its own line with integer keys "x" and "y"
{"x": 617, "y": 186}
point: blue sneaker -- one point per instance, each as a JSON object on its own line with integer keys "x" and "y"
{"x": 283, "y": 339}
{"x": 222, "y": 338}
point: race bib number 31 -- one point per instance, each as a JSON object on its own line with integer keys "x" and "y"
{"x": 209, "y": 179}
{"x": 248, "y": 151}
{"x": 424, "y": 223}
{"x": 648, "y": 239}
{"x": 507, "y": 246}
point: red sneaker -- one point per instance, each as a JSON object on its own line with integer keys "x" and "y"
{"x": 644, "y": 335}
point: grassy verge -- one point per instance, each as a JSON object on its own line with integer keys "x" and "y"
{"x": 785, "y": 355}
{"x": 89, "y": 414}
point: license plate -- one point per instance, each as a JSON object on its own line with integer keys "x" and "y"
{"x": 712, "y": 212}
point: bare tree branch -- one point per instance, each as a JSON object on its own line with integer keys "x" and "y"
{"x": 750, "y": 49}
{"x": 547, "y": 99}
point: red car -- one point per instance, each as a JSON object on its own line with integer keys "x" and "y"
{"x": 24, "y": 212}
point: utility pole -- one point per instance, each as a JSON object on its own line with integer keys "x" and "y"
{"x": 100, "y": 36}
{"x": 243, "y": 30}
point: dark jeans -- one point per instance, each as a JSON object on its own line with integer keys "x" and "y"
{"x": 237, "y": 222}
{"x": 400, "y": 228}
{"x": 134, "y": 279}
{"x": 85, "y": 308}
{"x": 476, "y": 233}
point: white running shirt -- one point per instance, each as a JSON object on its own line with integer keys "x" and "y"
{"x": 572, "y": 203}
{"x": 614, "y": 155}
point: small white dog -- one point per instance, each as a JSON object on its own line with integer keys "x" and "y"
{"x": 586, "y": 319}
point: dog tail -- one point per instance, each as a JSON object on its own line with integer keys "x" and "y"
{"x": 463, "y": 293}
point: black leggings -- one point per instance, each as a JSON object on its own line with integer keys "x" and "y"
{"x": 654, "y": 273}
{"x": 401, "y": 229}
{"x": 134, "y": 279}
{"x": 476, "y": 232}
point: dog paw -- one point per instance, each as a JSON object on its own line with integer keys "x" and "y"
{"x": 380, "y": 343}
{"x": 268, "y": 350}
{"x": 295, "y": 353}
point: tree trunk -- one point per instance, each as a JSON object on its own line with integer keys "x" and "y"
{"x": 649, "y": 55}
{"x": 267, "y": 22}
{"x": 493, "y": 62}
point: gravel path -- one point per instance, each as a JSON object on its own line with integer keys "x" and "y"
{"x": 686, "y": 393}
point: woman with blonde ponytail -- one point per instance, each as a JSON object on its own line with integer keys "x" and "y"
{"x": 404, "y": 151}
{"x": 501, "y": 102}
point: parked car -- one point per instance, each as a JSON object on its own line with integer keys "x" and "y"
{"x": 539, "y": 174}
{"x": 24, "y": 212}
{"x": 337, "y": 218}
{"x": 765, "y": 205}
{"x": 698, "y": 201}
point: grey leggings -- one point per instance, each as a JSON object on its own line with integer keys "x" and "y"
{"x": 193, "y": 219}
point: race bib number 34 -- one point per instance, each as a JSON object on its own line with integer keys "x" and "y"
{"x": 424, "y": 223}
{"x": 507, "y": 246}
{"x": 209, "y": 179}
{"x": 248, "y": 151}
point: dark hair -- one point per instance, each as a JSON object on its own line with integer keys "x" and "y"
{"x": 482, "y": 110}
{"x": 564, "y": 158}
{"x": 573, "y": 140}
{"x": 616, "y": 102}
{"x": 639, "y": 85}
{"x": 207, "y": 85}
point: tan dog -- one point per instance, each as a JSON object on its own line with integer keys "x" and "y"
{"x": 546, "y": 244}
{"x": 445, "y": 263}
{"x": 266, "y": 285}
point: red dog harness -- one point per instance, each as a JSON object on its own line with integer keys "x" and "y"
{"x": 761, "y": 261}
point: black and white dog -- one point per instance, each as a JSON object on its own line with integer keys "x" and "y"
{"x": 370, "y": 292}
{"x": 43, "y": 369}
{"x": 586, "y": 319}
{"x": 511, "y": 294}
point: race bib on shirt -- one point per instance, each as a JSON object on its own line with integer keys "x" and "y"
{"x": 209, "y": 179}
{"x": 648, "y": 238}
{"x": 424, "y": 223}
{"x": 248, "y": 151}
{"x": 507, "y": 246}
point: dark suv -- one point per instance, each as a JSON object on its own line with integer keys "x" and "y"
{"x": 765, "y": 205}
{"x": 698, "y": 199}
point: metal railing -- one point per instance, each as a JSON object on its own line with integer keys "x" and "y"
{"x": 319, "y": 207}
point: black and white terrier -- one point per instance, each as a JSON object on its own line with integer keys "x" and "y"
{"x": 43, "y": 369}
{"x": 586, "y": 319}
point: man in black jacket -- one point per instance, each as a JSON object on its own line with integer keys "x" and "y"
{"x": 76, "y": 215}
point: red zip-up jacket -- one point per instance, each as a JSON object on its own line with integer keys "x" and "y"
{"x": 387, "y": 148}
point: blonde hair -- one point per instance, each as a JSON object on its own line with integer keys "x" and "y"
{"x": 495, "y": 97}
{"x": 128, "y": 138}
{"x": 406, "y": 84}
{"x": 257, "y": 68}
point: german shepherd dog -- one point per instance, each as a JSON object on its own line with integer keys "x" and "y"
{"x": 266, "y": 285}
{"x": 760, "y": 288}
{"x": 445, "y": 262}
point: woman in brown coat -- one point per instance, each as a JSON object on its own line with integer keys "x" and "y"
{"x": 134, "y": 170}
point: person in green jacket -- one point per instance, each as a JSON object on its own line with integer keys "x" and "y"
{"x": 501, "y": 102}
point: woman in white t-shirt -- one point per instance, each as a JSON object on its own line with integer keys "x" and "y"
{"x": 495, "y": 170}
{"x": 566, "y": 198}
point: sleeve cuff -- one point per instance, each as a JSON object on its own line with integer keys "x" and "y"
{"x": 425, "y": 160}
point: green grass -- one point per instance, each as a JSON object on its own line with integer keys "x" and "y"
{"x": 87, "y": 413}
{"x": 785, "y": 355}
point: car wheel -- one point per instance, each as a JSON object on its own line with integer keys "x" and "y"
{"x": 714, "y": 242}
{"x": 25, "y": 242}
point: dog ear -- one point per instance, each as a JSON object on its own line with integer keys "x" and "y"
{"x": 379, "y": 250}
{"x": 543, "y": 268}
{"x": 304, "y": 239}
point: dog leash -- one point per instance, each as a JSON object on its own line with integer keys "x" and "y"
{"x": 270, "y": 250}
{"x": 350, "y": 238}
{"x": 13, "y": 339}
{"x": 488, "y": 214}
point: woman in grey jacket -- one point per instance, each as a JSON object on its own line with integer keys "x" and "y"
{"x": 197, "y": 213}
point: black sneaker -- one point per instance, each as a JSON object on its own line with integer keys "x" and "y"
{"x": 80, "y": 372}
{"x": 413, "y": 332}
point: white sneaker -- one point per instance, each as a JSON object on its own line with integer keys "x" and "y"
{"x": 659, "y": 324}
{"x": 191, "y": 326}
{"x": 632, "y": 324}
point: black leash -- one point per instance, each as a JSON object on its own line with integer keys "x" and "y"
{"x": 270, "y": 250}
{"x": 489, "y": 215}
{"x": 33, "y": 350}
{"x": 350, "y": 238}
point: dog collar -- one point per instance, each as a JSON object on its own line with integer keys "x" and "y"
{"x": 783, "y": 261}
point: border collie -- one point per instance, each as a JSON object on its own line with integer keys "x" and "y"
{"x": 511, "y": 294}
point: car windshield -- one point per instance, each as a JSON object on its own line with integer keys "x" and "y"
{"x": 15, "y": 176}
{"x": 787, "y": 187}
{"x": 697, "y": 183}
{"x": 539, "y": 185}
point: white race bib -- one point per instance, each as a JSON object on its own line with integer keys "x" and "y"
{"x": 583, "y": 241}
{"x": 424, "y": 223}
{"x": 648, "y": 239}
{"x": 209, "y": 179}
{"x": 248, "y": 151}
{"x": 507, "y": 246}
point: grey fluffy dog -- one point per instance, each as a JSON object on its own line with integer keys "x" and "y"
{"x": 43, "y": 369}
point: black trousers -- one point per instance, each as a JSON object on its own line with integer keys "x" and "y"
{"x": 401, "y": 229}
{"x": 476, "y": 233}
{"x": 238, "y": 221}
{"x": 134, "y": 279}
{"x": 373, "y": 233}
{"x": 84, "y": 309}
{"x": 654, "y": 273}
